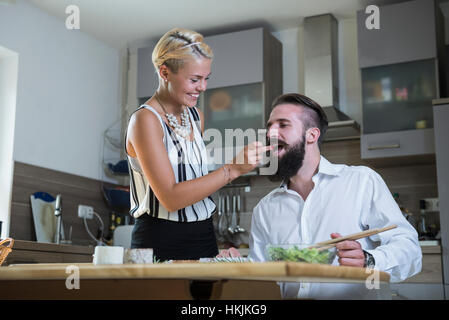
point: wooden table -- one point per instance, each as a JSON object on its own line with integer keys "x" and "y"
{"x": 167, "y": 281}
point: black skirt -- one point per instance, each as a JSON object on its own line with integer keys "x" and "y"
{"x": 171, "y": 240}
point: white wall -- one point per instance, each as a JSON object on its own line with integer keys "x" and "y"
{"x": 68, "y": 91}
{"x": 8, "y": 93}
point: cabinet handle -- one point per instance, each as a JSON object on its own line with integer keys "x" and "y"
{"x": 386, "y": 146}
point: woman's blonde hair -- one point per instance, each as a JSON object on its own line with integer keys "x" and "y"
{"x": 177, "y": 45}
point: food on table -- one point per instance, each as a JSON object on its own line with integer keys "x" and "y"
{"x": 296, "y": 254}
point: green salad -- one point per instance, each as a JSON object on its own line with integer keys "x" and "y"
{"x": 296, "y": 254}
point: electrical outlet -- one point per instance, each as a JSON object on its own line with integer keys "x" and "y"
{"x": 432, "y": 204}
{"x": 85, "y": 211}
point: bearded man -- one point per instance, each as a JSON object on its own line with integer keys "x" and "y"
{"x": 318, "y": 200}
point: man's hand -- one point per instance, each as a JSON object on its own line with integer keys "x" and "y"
{"x": 349, "y": 252}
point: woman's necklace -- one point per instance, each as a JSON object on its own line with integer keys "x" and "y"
{"x": 182, "y": 129}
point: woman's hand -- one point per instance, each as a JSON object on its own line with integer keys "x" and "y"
{"x": 229, "y": 253}
{"x": 249, "y": 158}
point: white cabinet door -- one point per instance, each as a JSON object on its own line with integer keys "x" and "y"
{"x": 406, "y": 33}
{"x": 238, "y": 58}
{"x": 397, "y": 144}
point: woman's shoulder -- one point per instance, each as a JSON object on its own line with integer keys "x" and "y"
{"x": 146, "y": 113}
{"x": 146, "y": 118}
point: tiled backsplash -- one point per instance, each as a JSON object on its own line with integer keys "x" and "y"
{"x": 74, "y": 189}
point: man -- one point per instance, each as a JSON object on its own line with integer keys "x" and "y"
{"x": 318, "y": 200}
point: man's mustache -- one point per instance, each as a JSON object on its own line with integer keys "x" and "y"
{"x": 276, "y": 142}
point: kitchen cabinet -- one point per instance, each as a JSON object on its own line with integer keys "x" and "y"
{"x": 402, "y": 69}
{"x": 245, "y": 57}
{"x": 426, "y": 285}
{"x": 417, "y": 291}
{"x": 246, "y": 77}
{"x": 242, "y": 57}
{"x": 407, "y": 33}
{"x": 398, "y": 144}
{"x": 147, "y": 79}
{"x": 441, "y": 116}
{"x": 399, "y": 97}
{"x": 431, "y": 270}
{"x": 397, "y": 109}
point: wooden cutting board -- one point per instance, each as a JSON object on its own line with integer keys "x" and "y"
{"x": 269, "y": 271}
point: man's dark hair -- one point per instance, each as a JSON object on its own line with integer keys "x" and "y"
{"x": 314, "y": 114}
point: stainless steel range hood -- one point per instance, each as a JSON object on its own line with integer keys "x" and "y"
{"x": 321, "y": 75}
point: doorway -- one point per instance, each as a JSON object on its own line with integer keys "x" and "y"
{"x": 9, "y": 63}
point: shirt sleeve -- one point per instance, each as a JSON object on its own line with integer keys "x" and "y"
{"x": 257, "y": 237}
{"x": 399, "y": 253}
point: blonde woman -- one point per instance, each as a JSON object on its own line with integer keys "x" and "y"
{"x": 170, "y": 184}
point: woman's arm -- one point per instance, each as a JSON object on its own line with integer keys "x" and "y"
{"x": 145, "y": 141}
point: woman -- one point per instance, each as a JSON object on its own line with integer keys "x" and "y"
{"x": 170, "y": 185}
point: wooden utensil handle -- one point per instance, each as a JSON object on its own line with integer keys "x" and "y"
{"x": 356, "y": 236}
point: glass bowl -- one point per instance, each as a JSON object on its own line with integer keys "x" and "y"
{"x": 301, "y": 252}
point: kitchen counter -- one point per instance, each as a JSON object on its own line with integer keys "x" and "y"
{"x": 440, "y": 101}
{"x": 38, "y": 252}
{"x": 168, "y": 281}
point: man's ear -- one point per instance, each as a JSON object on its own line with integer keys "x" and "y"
{"x": 312, "y": 135}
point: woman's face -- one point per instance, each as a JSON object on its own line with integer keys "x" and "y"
{"x": 186, "y": 85}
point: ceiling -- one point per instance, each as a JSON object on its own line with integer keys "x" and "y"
{"x": 121, "y": 22}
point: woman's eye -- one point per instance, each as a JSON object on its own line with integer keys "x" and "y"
{"x": 194, "y": 80}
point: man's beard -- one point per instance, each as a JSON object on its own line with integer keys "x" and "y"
{"x": 290, "y": 162}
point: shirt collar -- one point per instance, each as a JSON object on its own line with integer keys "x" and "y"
{"x": 324, "y": 167}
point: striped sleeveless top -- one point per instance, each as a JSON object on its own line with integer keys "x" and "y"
{"x": 188, "y": 160}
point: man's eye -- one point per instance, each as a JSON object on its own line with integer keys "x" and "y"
{"x": 194, "y": 80}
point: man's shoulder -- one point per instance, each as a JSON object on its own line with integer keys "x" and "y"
{"x": 359, "y": 170}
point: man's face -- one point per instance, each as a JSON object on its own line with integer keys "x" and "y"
{"x": 286, "y": 130}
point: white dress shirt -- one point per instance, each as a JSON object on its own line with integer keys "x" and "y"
{"x": 345, "y": 199}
